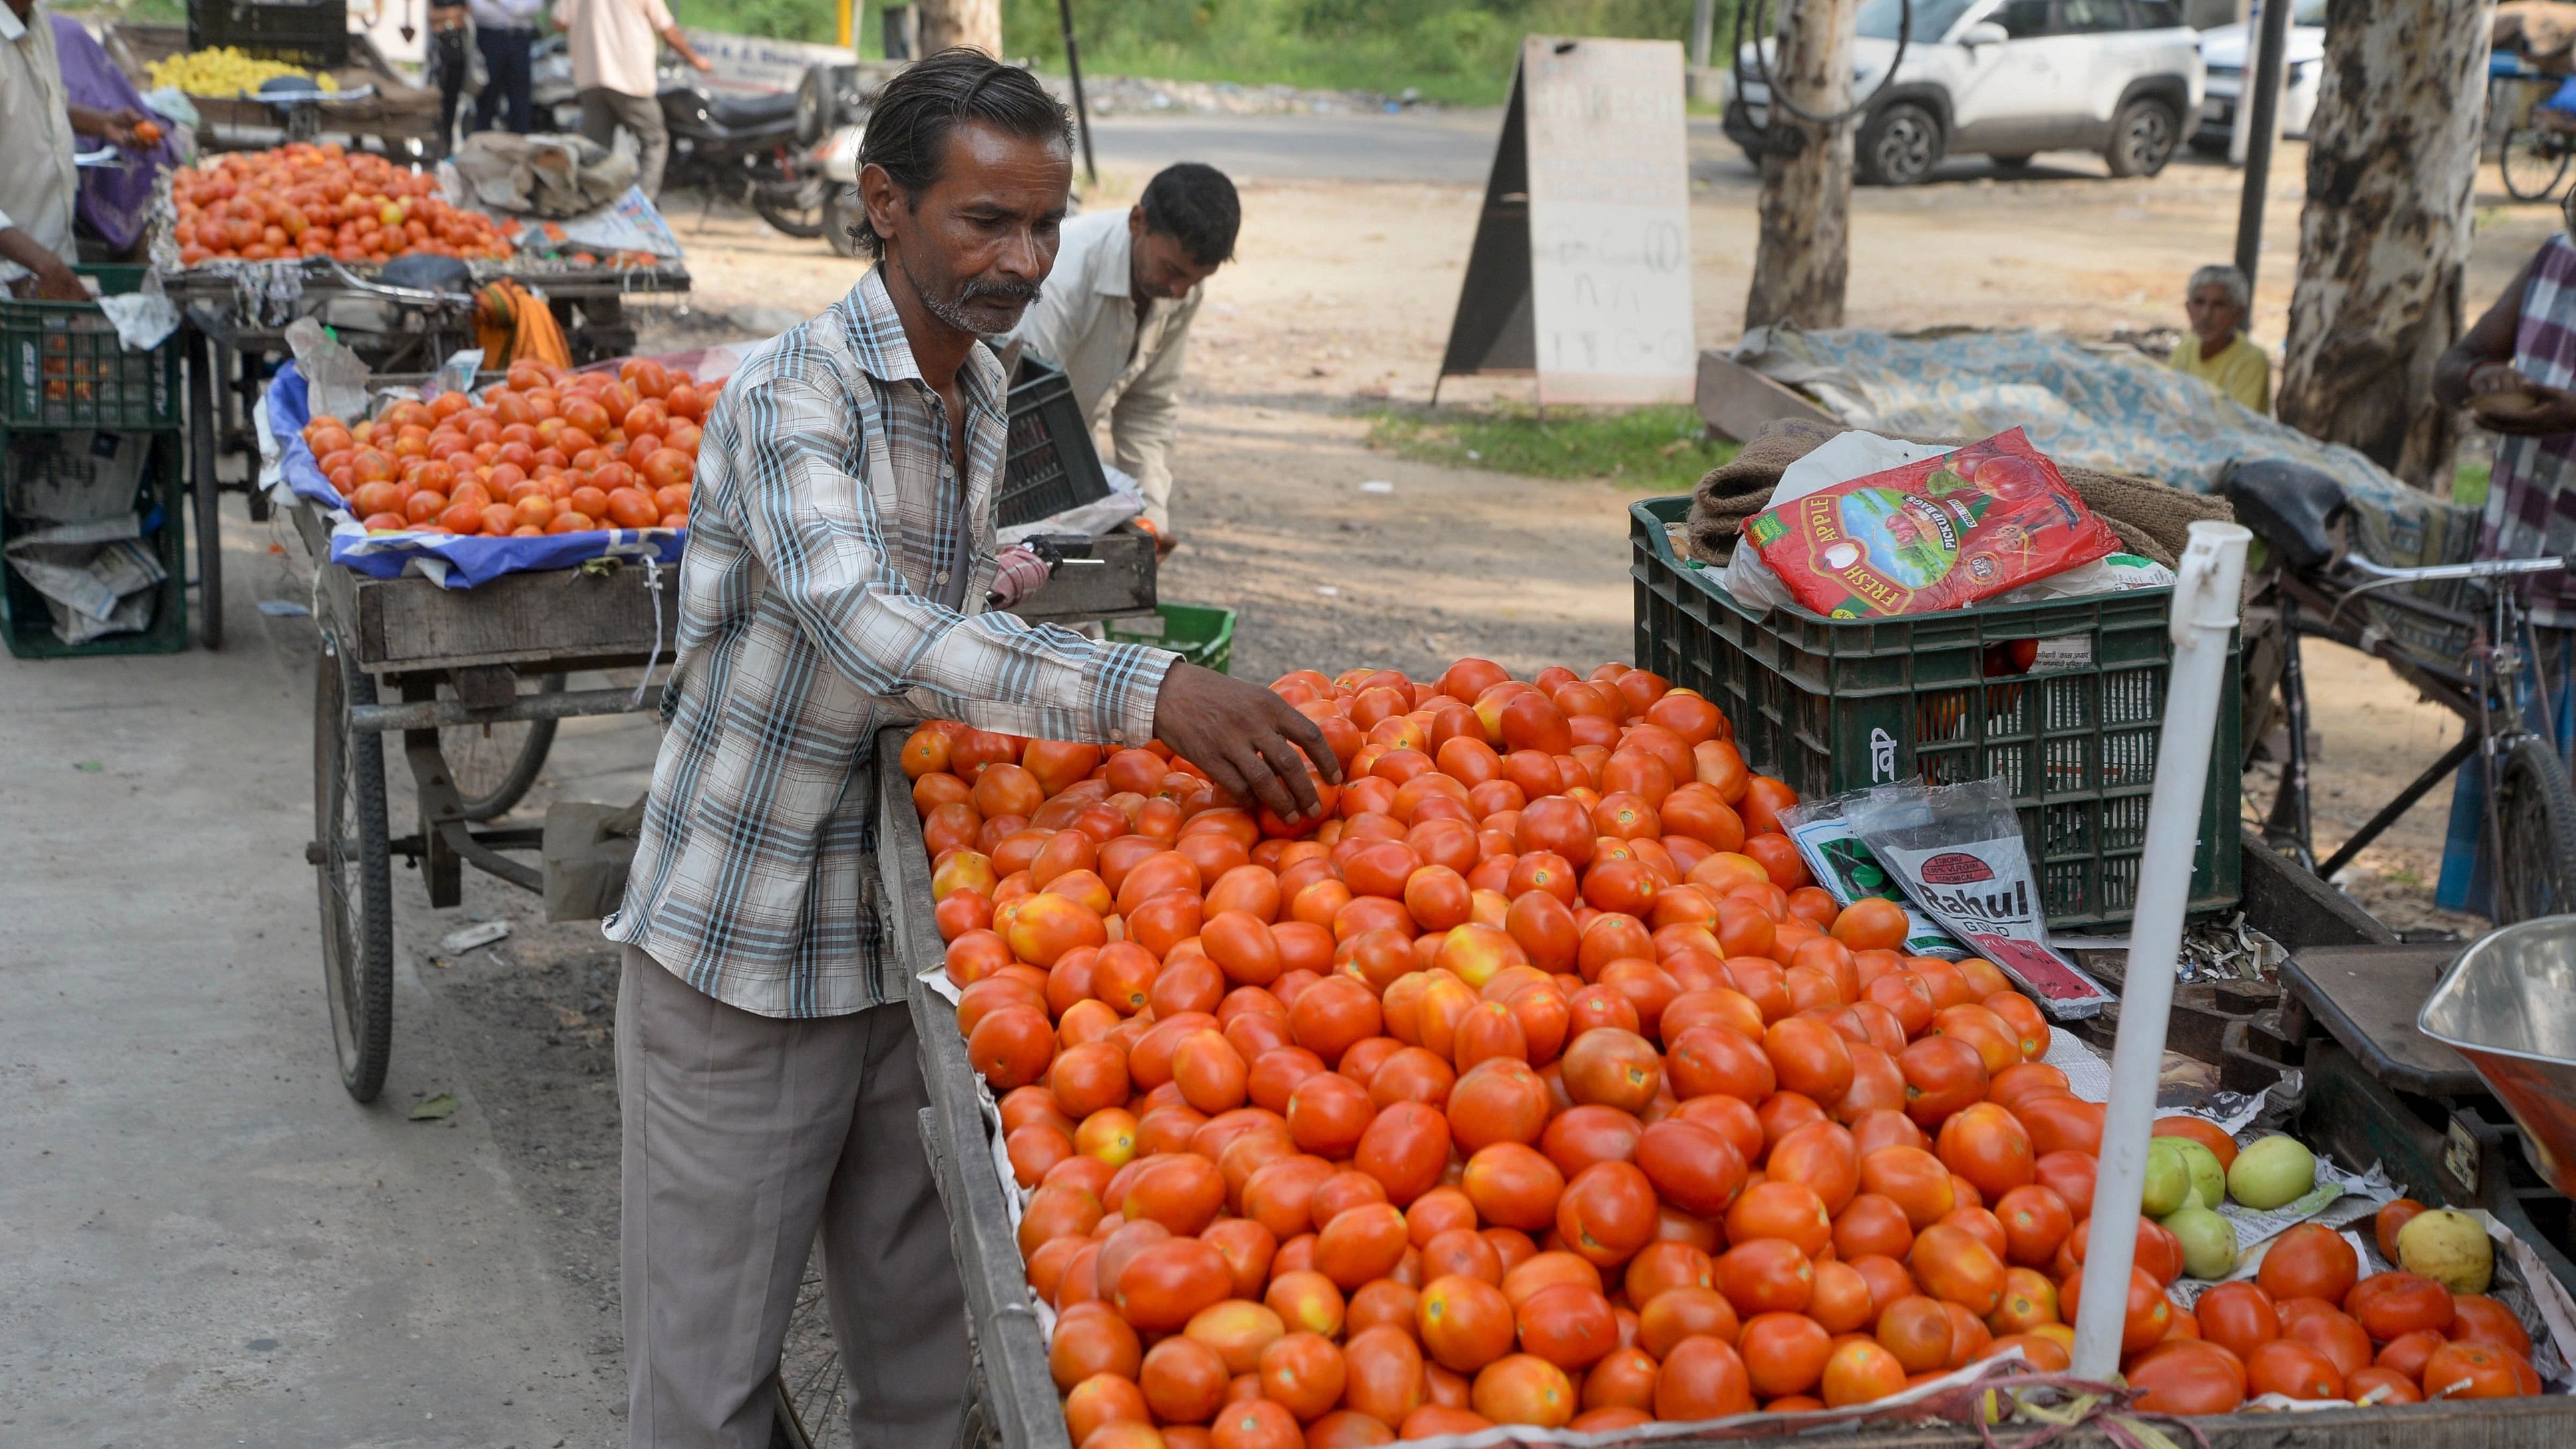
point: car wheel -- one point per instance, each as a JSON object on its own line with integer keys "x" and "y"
{"x": 2142, "y": 138}
{"x": 1899, "y": 146}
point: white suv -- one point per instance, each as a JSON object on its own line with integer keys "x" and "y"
{"x": 2223, "y": 47}
{"x": 2007, "y": 79}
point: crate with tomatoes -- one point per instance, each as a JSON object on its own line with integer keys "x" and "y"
{"x": 1538, "y": 1085}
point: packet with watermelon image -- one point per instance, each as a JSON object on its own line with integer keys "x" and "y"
{"x": 1942, "y": 532}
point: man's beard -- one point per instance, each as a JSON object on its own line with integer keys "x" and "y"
{"x": 954, "y": 310}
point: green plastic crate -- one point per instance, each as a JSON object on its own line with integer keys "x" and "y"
{"x": 1200, "y": 634}
{"x": 27, "y": 625}
{"x": 1833, "y": 705}
{"x": 63, "y": 366}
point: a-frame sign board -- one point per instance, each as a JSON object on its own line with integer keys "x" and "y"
{"x": 1580, "y": 273}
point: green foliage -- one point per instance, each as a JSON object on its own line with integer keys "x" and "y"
{"x": 1448, "y": 51}
{"x": 1650, "y": 449}
{"x": 2469, "y": 484}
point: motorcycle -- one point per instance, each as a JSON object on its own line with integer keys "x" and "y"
{"x": 743, "y": 147}
{"x": 832, "y": 106}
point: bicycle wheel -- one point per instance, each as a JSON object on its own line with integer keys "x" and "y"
{"x": 353, "y": 872}
{"x": 2535, "y": 835}
{"x": 494, "y": 764}
{"x": 813, "y": 1407}
{"x": 2533, "y": 162}
{"x": 205, "y": 492}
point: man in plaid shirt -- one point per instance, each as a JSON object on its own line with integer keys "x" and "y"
{"x": 841, "y": 546}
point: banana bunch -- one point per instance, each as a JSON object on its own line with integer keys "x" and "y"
{"x": 225, "y": 70}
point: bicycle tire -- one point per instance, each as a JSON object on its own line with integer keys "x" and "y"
{"x": 811, "y": 1393}
{"x": 353, "y": 873}
{"x": 2530, "y": 166}
{"x": 2535, "y": 848}
{"x": 493, "y": 765}
{"x": 795, "y": 208}
{"x": 206, "y": 492}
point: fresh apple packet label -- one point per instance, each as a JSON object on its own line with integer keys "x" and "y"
{"x": 1956, "y": 851}
{"x": 1844, "y": 866}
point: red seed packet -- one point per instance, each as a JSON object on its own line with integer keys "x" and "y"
{"x": 1942, "y": 533}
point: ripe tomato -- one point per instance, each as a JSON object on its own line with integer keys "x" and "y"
{"x": 1702, "y": 1378}
{"x": 1255, "y": 1424}
{"x": 1777, "y": 1208}
{"x": 2294, "y": 1369}
{"x": 1607, "y": 1212}
{"x": 1766, "y": 1275}
{"x": 2190, "y": 1378}
{"x": 1692, "y": 1165}
{"x": 1465, "y": 1323}
{"x": 2483, "y": 1320}
{"x": 1784, "y": 1353}
{"x": 2149, "y": 1313}
{"x": 2238, "y": 1317}
{"x": 1858, "y": 1372}
{"x": 1613, "y": 1067}
{"x": 2478, "y": 1371}
{"x": 1943, "y": 1075}
{"x": 1383, "y": 1373}
{"x": 1871, "y": 1225}
{"x": 1987, "y": 1145}
{"x": 2389, "y": 1222}
{"x": 2309, "y": 1261}
{"x": 1090, "y": 1338}
{"x": 1811, "y": 1058}
{"x": 1183, "y": 1380}
{"x": 1524, "y": 1388}
{"x": 1956, "y": 1266}
{"x": 1680, "y": 1313}
{"x": 1914, "y": 1180}
{"x": 1568, "y": 1325}
{"x": 2390, "y": 1304}
{"x": 2334, "y": 1334}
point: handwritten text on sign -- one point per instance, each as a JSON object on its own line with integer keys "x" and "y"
{"x": 1609, "y": 220}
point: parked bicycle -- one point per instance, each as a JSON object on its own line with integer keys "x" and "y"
{"x": 2471, "y": 649}
{"x": 2533, "y": 158}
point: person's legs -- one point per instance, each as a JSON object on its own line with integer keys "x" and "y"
{"x": 447, "y": 62}
{"x": 643, "y": 116}
{"x": 492, "y": 46}
{"x": 518, "y": 91}
{"x": 898, "y": 1310}
{"x": 733, "y": 1125}
{"x": 599, "y": 116}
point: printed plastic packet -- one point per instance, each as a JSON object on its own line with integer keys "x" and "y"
{"x": 1940, "y": 533}
{"x": 1846, "y": 869}
{"x": 1957, "y": 850}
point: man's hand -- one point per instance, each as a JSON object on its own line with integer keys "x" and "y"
{"x": 59, "y": 283}
{"x": 2550, "y": 411}
{"x": 116, "y": 126}
{"x": 701, "y": 64}
{"x": 1246, "y": 738}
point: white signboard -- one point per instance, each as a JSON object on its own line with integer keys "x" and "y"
{"x": 1580, "y": 270}
{"x": 1609, "y": 195}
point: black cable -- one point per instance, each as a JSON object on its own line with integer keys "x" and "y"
{"x": 1762, "y": 68}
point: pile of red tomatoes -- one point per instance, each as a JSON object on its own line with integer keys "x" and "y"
{"x": 545, "y": 450}
{"x": 310, "y": 200}
{"x": 1536, "y": 1085}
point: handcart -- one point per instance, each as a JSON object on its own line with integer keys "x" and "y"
{"x": 474, "y": 682}
{"x": 235, "y": 337}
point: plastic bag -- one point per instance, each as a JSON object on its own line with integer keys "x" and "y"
{"x": 1958, "y": 852}
{"x": 1940, "y": 533}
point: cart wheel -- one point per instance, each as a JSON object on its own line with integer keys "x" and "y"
{"x": 202, "y": 484}
{"x": 494, "y": 764}
{"x": 2532, "y": 161}
{"x": 2536, "y": 835}
{"x": 813, "y": 1410}
{"x": 352, "y": 872}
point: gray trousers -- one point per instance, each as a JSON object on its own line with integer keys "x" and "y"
{"x": 743, "y": 1136}
{"x": 604, "y": 110}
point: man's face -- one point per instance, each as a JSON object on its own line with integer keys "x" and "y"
{"x": 983, "y": 236}
{"x": 2214, "y": 315}
{"x": 1160, "y": 267}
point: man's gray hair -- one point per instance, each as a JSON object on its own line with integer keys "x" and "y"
{"x": 2239, "y": 290}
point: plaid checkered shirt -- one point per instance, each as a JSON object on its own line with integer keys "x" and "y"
{"x": 831, "y": 587}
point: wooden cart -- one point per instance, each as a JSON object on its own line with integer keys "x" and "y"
{"x": 400, "y": 117}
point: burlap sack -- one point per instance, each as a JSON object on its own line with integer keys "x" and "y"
{"x": 2152, "y": 519}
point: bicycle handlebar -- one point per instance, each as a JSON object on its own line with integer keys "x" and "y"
{"x": 2475, "y": 569}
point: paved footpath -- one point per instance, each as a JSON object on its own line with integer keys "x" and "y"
{"x": 206, "y": 1242}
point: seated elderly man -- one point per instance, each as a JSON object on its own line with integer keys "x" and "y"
{"x": 2218, "y": 351}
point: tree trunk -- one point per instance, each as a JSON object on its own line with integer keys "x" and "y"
{"x": 2392, "y": 160}
{"x": 1805, "y": 251}
{"x": 975, "y": 23}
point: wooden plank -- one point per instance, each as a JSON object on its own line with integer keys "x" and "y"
{"x": 1736, "y": 402}
{"x": 1019, "y": 1392}
{"x": 1121, "y": 584}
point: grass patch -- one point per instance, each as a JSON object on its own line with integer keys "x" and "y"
{"x": 1650, "y": 449}
{"x": 2469, "y": 484}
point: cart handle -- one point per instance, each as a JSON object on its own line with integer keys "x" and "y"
{"x": 415, "y": 295}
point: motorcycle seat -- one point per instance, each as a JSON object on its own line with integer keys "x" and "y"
{"x": 2288, "y": 505}
{"x": 738, "y": 113}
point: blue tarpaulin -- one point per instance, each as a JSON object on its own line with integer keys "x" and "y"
{"x": 456, "y": 561}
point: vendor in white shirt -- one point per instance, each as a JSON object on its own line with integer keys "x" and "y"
{"x": 37, "y": 183}
{"x": 1116, "y": 314}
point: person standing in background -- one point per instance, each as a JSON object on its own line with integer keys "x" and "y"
{"x": 449, "y": 40}
{"x": 37, "y": 183}
{"x": 1117, "y": 317}
{"x": 614, "y": 67}
{"x": 505, "y": 31}
{"x": 2218, "y": 352}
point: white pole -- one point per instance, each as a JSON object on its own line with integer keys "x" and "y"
{"x": 2241, "y": 126}
{"x": 2205, "y": 606}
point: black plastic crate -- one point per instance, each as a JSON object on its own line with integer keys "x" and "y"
{"x": 313, "y": 34}
{"x": 1831, "y": 705}
{"x": 27, "y": 623}
{"x": 1049, "y": 464}
{"x": 63, "y": 366}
